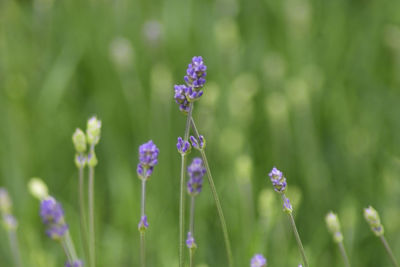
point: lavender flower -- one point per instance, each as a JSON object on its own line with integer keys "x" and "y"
{"x": 196, "y": 73}
{"x": 199, "y": 144}
{"x": 148, "y": 157}
{"x": 258, "y": 261}
{"x": 143, "y": 224}
{"x": 278, "y": 180}
{"x": 190, "y": 242}
{"x": 180, "y": 97}
{"x": 372, "y": 217}
{"x": 76, "y": 263}
{"x": 53, "y": 217}
{"x": 183, "y": 146}
{"x": 196, "y": 172}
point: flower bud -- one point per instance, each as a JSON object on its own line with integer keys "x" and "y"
{"x": 38, "y": 188}
{"x": 92, "y": 159}
{"x": 183, "y": 146}
{"x": 10, "y": 223}
{"x": 79, "y": 140}
{"x": 287, "y": 207}
{"x": 200, "y": 143}
{"x": 332, "y": 222}
{"x": 372, "y": 217}
{"x": 93, "y": 130}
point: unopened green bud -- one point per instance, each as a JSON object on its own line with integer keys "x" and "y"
{"x": 93, "y": 130}
{"x": 80, "y": 160}
{"x": 79, "y": 140}
{"x": 332, "y": 222}
{"x": 38, "y": 188}
{"x": 372, "y": 217}
{"x": 92, "y": 159}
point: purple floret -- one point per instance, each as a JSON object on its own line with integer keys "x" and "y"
{"x": 52, "y": 215}
{"x": 196, "y": 172}
{"x": 77, "y": 263}
{"x": 258, "y": 261}
{"x": 278, "y": 180}
{"x": 148, "y": 158}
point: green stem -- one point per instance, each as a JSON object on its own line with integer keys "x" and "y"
{"x": 142, "y": 209}
{"x": 296, "y": 234}
{"x": 182, "y": 192}
{"x": 389, "y": 251}
{"x": 12, "y": 235}
{"x": 66, "y": 251}
{"x": 82, "y": 211}
{"x": 91, "y": 218}
{"x": 344, "y": 254}
{"x": 191, "y": 229}
{"x": 70, "y": 246}
{"x": 216, "y": 199}
{"x": 142, "y": 249}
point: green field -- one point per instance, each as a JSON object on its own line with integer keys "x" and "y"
{"x": 311, "y": 87}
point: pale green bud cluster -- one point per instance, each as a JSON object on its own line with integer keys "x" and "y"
{"x": 38, "y": 188}
{"x": 79, "y": 140}
{"x": 93, "y": 131}
{"x": 372, "y": 217}
{"x": 332, "y": 222}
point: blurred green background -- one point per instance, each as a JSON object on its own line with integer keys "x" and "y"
{"x": 309, "y": 86}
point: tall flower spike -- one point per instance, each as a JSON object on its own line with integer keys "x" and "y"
{"x": 148, "y": 158}
{"x": 332, "y": 222}
{"x": 183, "y": 146}
{"x": 258, "y": 261}
{"x": 196, "y": 73}
{"x": 180, "y": 97}
{"x": 196, "y": 171}
{"x": 53, "y": 217}
{"x": 372, "y": 217}
{"x": 278, "y": 180}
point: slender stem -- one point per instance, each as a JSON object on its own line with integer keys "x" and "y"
{"x": 142, "y": 249}
{"x": 192, "y": 202}
{"x": 389, "y": 251}
{"x": 191, "y": 229}
{"x": 191, "y": 257}
{"x": 70, "y": 246}
{"x": 12, "y": 236}
{"x": 216, "y": 199}
{"x": 344, "y": 254}
{"x": 143, "y": 197}
{"x": 182, "y": 191}
{"x": 142, "y": 212}
{"x": 219, "y": 209}
{"x": 91, "y": 218}
{"x": 66, "y": 251}
{"x": 296, "y": 234}
{"x": 82, "y": 211}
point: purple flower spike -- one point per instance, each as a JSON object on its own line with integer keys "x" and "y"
{"x": 258, "y": 261}
{"x": 53, "y": 217}
{"x": 148, "y": 157}
{"x": 180, "y": 97}
{"x": 196, "y": 73}
{"x": 143, "y": 224}
{"x": 278, "y": 180}
{"x": 77, "y": 263}
{"x": 196, "y": 172}
{"x": 198, "y": 143}
{"x": 190, "y": 243}
{"x": 183, "y": 146}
